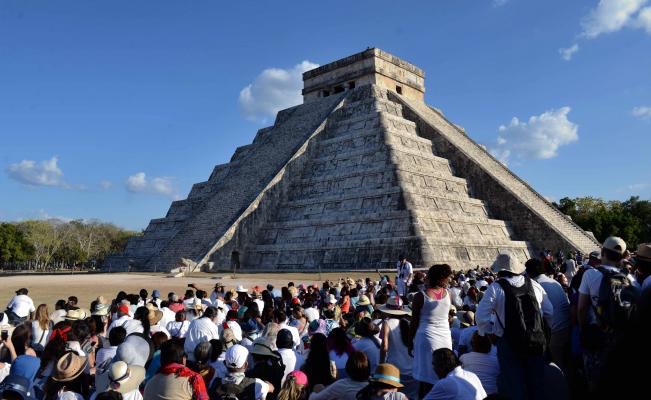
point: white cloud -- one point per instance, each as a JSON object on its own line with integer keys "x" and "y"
{"x": 138, "y": 183}
{"x": 539, "y": 138}
{"x": 641, "y": 112}
{"x": 567, "y": 53}
{"x": 644, "y": 20}
{"x": 610, "y": 16}
{"x": 45, "y": 173}
{"x": 273, "y": 90}
{"x": 106, "y": 185}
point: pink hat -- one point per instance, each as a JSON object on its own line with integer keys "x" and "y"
{"x": 299, "y": 377}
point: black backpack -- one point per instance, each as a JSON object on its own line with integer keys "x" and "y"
{"x": 524, "y": 328}
{"x": 230, "y": 391}
{"x": 617, "y": 298}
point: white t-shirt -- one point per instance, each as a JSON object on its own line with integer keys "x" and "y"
{"x": 291, "y": 360}
{"x": 590, "y": 284}
{"x": 178, "y": 329}
{"x": 457, "y": 385}
{"x": 200, "y": 330}
{"x": 485, "y": 366}
{"x": 40, "y": 336}
{"x": 21, "y": 305}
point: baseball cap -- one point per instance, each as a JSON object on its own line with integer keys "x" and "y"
{"x": 299, "y": 377}
{"x": 595, "y": 254}
{"x": 615, "y": 244}
{"x": 236, "y": 356}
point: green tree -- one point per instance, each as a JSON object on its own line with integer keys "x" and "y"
{"x": 14, "y": 247}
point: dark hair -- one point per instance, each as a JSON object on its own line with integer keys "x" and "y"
{"x": 480, "y": 344}
{"x": 157, "y": 339}
{"x": 534, "y": 267}
{"x": 338, "y": 341}
{"x": 280, "y": 315}
{"x": 117, "y": 335}
{"x": 437, "y": 273}
{"x": 328, "y": 313}
{"x": 143, "y": 294}
{"x": 73, "y": 299}
{"x": 358, "y": 367}
{"x": 317, "y": 364}
{"x": 217, "y": 349}
{"x": 202, "y": 356}
{"x": 60, "y": 305}
{"x": 611, "y": 255}
{"x": 21, "y": 338}
{"x": 133, "y": 299}
{"x": 81, "y": 330}
{"x": 211, "y": 312}
{"x": 444, "y": 360}
{"x": 142, "y": 315}
{"x": 109, "y": 395}
{"x": 171, "y": 352}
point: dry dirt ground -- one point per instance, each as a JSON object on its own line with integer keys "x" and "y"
{"x": 49, "y": 288}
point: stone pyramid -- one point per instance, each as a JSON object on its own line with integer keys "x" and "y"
{"x": 362, "y": 171}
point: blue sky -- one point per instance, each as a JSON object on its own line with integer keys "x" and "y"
{"x": 111, "y": 109}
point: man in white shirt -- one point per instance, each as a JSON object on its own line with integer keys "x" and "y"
{"x": 559, "y": 345}
{"x": 281, "y": 319}
{"x": 454, "y": 382}
{"x": 405, "y": 274}
{"x": 520, "y": 354}
{"x": 123, "y": 316}
{"x": 202, "y": 329}
{"x": 236, "y": 363}
{"x": 20, "y": 307}
{"x": 291, "y": 359}
{"x": 612, "y": 252}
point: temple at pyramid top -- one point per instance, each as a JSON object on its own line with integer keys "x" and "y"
{"x": 359, "y": 173}
{"x": 369, "y": 67}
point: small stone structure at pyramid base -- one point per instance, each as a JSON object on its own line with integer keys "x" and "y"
{"x": 361, "y": 172}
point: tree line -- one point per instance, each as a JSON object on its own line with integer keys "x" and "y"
{"x": 630, "y": 219}
{"x": 55, "y": 244}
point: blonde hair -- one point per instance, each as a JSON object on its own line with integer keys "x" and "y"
{"x": 42, "y": 316}
{"x": 292, "y": 390}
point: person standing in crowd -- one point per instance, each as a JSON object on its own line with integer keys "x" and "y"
{"x": 559, "y": 343}
{"x": 454, "y": 383}
{"x": 20, "y": 307}
{"x": 430, "y": 329}
{"x": 405, "y": 273}
{"x": 512, "y": 312}
{"x": 602, "y": 309}
{"x": 395, "y": 340}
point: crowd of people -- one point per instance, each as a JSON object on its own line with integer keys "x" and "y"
{"x": 551, "y": 327}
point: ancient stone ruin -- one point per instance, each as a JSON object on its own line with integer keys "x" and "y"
{"x": 361, "y": 171}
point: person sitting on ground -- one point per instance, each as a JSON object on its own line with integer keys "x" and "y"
{"x": 295, "y": 387}
{"x": 174, "y": 380}
{"x": 368, "y": 343}
{"x": 357, "y": 371}
{"x": 317, "y": 365}
{"x": 236, "y": 383}
{"x": 454, "y": 382}
{"x": 20, "y": 307}
{"x": 202, "y": 329}
{"x": 291, "y": 359}
{"x": 384, "y": 385}
{"x": 482, "y": 362}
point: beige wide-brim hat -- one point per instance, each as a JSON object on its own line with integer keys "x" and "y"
{"x": 507, "y": 262}
{"x": 154, "y": 316}
{"x": 363, "y": 300}
{"x": 643, "y": 252}
{"x": 69, "y": 366}
{"x": 121, "y": 378}
{"x": 76, "y": 315}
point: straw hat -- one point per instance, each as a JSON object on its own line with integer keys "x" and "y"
{"x": 154, "y": 316}
{"x": 363, "y": 300}
{"x": 101, "y": 309}
{"x": 643, "y": 252}
{"x": 69, "y": 366}
{"x": 241, "y": 289}
{"x": 394, "y": 306}
{"x": 387, "y": 374}
{"x": 75, "y": 315}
